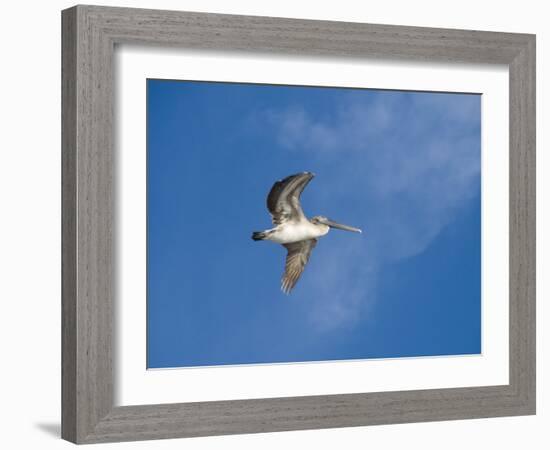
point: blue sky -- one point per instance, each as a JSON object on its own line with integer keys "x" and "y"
{"x": 403, "y": 166}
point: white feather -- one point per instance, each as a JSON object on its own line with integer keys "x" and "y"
{"x": 297, "y": 231}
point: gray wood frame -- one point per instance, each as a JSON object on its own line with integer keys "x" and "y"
{"x": 89, "y": 36}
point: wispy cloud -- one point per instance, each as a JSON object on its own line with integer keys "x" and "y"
{"x": 413, "y": 158}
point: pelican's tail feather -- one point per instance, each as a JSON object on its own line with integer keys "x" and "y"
{"x": 259, "y": 235}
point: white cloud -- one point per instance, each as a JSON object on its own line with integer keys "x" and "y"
{"x": 415, "y": 158}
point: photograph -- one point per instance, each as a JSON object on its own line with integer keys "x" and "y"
{"x": 301, "y": 224}
{"x": 276, "y": 225}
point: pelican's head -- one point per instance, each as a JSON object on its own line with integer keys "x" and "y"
{"x": 325, "y": 223}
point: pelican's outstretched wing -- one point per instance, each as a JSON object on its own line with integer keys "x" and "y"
{"x": 296, "y": 260}
{"x": 283, "y": 201}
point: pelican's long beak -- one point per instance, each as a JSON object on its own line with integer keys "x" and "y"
{"x": 340, "y": 226}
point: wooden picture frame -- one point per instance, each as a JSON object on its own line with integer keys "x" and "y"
{"x": 89, "y": 37}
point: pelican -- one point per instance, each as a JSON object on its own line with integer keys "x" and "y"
{"x": 293, "y": 229}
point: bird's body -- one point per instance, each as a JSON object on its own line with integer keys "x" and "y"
{"x": 290, "y": 232}
{"x": 293, "y": 229}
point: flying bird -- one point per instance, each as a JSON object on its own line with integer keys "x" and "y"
{"x": 293, "y": 229}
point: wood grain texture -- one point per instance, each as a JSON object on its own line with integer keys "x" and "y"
{"x": 522, "y": 281}
{"x": 89, "y": 36}
{"x": 68, "y": 226}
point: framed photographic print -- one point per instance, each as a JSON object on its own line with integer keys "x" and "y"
{"x": 279, "y": 224}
